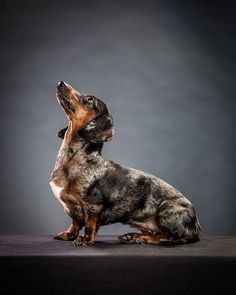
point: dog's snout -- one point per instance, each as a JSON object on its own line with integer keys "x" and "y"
{"x": 61, "y": 84}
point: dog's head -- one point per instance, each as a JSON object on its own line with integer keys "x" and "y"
{"x": 89, "y": 115}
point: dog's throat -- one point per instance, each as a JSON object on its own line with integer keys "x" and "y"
{"x": 67, "y": 151}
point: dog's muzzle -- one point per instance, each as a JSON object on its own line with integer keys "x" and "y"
{"x": 63, "y": 90}
{"x": 61, "y": 84}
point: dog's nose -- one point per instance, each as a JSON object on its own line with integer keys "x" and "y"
{"x": 61, "y": 84}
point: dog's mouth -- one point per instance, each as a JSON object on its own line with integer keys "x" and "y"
{"x": 63, "y": 96}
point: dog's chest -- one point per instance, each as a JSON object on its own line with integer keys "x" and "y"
{"x": 57, "y": 191}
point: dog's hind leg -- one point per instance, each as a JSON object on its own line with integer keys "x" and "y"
{"x": 142, "y": 238}
{"x": 181, "y": 225}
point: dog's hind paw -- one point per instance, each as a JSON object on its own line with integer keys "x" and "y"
{"x": 129, "y": 238}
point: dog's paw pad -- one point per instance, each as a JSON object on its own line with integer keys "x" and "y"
{"x": 127, "y": 238}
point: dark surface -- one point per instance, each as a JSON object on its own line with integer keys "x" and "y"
{"x": 165, "y": 69}
{"x": 110, "y": 246}
{"x": 41, "y": 265}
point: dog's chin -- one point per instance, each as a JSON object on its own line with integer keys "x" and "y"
{"x": 65, "y": 104}
{"x": 60, "y": 96}
{"x": 63, "y": 93}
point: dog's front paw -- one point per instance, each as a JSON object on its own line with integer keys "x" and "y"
{"x": 65, "y": 236}
{"x": 82, "y": 241}
{"x": 78, "y": 241}
{"x": 87, "y": 242}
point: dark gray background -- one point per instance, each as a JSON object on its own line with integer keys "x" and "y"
{"x": 166, "y": 70}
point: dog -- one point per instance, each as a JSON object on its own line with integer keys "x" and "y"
{"x": 95, "y": 192}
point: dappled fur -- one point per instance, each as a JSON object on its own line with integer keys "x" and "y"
{"x": 96, "y": 192}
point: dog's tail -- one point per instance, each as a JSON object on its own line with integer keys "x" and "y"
{"x": 183, "y": 241}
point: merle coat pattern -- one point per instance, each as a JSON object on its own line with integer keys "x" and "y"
{"x": 96, "y": 192}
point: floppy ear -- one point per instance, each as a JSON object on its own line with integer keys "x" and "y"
{"x": 62, "y": 132}
{"x": 100, "y": 129}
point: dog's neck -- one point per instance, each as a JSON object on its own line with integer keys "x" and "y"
{"x": 74, "y": 144}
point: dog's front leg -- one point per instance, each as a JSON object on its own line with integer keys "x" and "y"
{"x": 90, "y": 231}
{"x": 91, "y": 224}
{"x": 71, "y": 233}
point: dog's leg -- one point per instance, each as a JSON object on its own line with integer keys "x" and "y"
{"x": 90, "y": 231}
{"x": 142, "y": 238}
{"x": 70, "y": 234}
{"x": 97, "y": 228}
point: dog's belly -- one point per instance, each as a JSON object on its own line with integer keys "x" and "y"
{"x": 148, "y": 224}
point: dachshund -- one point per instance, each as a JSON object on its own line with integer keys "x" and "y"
{"x": 94, "y": 191}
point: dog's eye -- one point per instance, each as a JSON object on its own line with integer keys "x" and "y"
{"x": 89, "y": 98}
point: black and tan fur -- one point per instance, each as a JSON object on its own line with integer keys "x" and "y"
{"x": 96, "y": 192}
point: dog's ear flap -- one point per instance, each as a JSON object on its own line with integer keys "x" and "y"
{"x": 100, "y": 129}
{"x": 62, "y": 132}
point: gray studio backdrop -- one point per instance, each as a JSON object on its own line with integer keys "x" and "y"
{"x": 166, "y": 70}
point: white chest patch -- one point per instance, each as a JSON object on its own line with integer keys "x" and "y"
{"x": 57, "y": 193}
{"x": 56, "y": 190}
